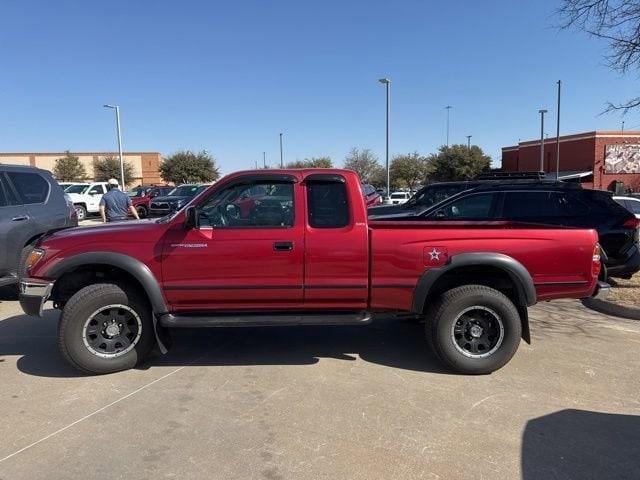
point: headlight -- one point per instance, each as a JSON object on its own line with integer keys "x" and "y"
{"x": 34, "y": 257}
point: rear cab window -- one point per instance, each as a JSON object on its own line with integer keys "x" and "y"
{"x": 327, "y": 201}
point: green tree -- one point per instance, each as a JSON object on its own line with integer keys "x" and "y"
{"x": 365, "y": 163}
{"x": 313, "y": 162}
{"x": 409, "y": 170}
{"x": 457, "y": 162}
{"x": 69, "y": 168}
{"x": 109, "y": 167}
{"x": 186, "y": 166}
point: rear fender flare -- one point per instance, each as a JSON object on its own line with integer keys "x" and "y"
{"x": 517, "y": 272}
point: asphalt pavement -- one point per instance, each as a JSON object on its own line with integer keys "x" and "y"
{"x": 365, "y": 402}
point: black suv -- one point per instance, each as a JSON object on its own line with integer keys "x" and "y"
{"x": 31, "y": 204}
{"x": 542, "y": 202}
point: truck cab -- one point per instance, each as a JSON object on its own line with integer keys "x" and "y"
{"x": 86, "y": 197}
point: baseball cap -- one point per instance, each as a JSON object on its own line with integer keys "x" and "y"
{"x": 112, "y": 181}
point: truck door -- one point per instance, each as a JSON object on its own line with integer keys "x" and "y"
{"x": 336, "y": 244}
{"x": 247, "y": 252}
{"x": 95, "y": 195}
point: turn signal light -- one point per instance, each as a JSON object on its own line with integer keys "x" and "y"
{"x": 633, "y": 222}
{"x": 33, "y": 258}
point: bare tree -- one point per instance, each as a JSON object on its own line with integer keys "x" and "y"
{"x": 618, "y": 23}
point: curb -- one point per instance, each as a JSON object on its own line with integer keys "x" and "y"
{"x": 610, "y": 308}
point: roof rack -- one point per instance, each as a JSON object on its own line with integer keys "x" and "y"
{"x": 511, "y": 175}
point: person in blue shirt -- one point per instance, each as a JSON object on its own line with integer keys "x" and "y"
{"x": 115, "y": 205}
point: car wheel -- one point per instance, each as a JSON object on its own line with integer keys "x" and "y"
{"x": 81, "y": 212}
{"x": 474, "y": 329}
{"x": 105, "y": 328}
{"x": 142, "y": 211}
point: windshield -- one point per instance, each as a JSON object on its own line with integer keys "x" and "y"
{"x": 185, "y": 191}
{"x": 81, "y": 188}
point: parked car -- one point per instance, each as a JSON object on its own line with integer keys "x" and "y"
{"x": 142, "y": 195}
{"x": 398, "y": 198}
{"x": 177, "y": 198}
{"x": 65, "y": 185}
{"x": 371, "y": 195}
{"x": 31, "y": 205}
{"x": 542, "y": 202}
{"x": 86, "y": 197}
{"x": 304, "y": 254}
{"x": 630, "y": 203}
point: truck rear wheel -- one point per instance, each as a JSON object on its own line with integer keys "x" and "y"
{"x": 105, "y": 328}
{"x": 474, "y": 329}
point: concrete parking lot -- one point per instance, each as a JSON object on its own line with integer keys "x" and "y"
{"x": 326, "y": 402}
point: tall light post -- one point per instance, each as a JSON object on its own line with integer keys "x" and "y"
{"x": 281, "y": 156}
{"x": 469, "y": 142}
{"x": 558, "y": 133}
{"x": 448, "y": 108}
{"x": 117, "y": 109}
{"x": 622, "y": 130}
{"x": 264, "y": 159}
{"x": 387, "y": 83}
{"x": 542, "y": 112}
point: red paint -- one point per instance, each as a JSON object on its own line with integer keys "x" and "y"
{"x": 361, "y": 266}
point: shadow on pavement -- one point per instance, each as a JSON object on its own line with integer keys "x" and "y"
{"x": 390, "y": 342}
{"x": 572, "y": 444}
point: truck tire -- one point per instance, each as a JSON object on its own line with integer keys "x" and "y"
{"x": 81, "y": 211}
{"x": 474, "y": 329}
{"x": 142, "y": 211}
{"x": 105, "y": 328}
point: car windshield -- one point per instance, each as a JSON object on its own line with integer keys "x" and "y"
{"x": 435, "y": 194}
{"x": 81, "y": 188}
{"x": 138, "y": 192}
{"x": 185, "y": 191}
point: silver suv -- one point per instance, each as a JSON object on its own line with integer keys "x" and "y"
{"x": 31, "y": 204}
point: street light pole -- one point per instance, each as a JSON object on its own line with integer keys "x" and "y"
{"x": 558, "y": 133}
{"x": 469, "y": 142}
{"x": 448, "y": 108}
{"x": 264, "y": 159}
{"x": 281, "y": 156}
{"x": 117, "y": 109}
{"x": 387, "y": 84}
{"x": 542, "y": 112}
{"x": 622, "y": 131}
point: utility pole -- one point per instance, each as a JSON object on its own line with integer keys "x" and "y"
{"x": 448, "y": 108}
{"x": 558, "y": 133}
{"x": 387, "y": 84}
{"x": 281, "y": 156}
{"x": 542, "y": 112}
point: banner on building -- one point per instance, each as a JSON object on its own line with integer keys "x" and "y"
{"x": 622, "y": 158}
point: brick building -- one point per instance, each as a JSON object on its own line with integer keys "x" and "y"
{"x": 596, "y": 159}
{"x": 146, "y": 165}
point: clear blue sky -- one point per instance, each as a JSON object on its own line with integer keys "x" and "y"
{"x": 228, "y": 76}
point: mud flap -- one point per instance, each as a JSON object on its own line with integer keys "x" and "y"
{"x": 524, "y": 318}
{"x": 163, "y": 338}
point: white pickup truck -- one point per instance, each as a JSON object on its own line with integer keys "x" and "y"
{"x": 86, "y": 197}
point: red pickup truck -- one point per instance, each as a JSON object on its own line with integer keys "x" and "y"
{"x": 304, "y": 253}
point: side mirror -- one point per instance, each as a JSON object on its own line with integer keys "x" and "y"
{"x": 191, "y": 218}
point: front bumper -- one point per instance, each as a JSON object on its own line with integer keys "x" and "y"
{"x": 602, "y": 291}
{"x": 33, "y": 294}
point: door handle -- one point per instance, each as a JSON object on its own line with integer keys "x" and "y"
{"x": 20, "y": 218}
{"x": 283, "y": 246}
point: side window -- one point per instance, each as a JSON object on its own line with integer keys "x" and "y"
{"x": 473, "y": 207}
{"x": 31, "y": 187}
{"x": 327, "y": 203}
{"x": 541, "y": 205}
{"x": 4, "y": 201}
{"x": 256, "y": 204}
{"x": 96, "y": 189}
{"x": 633, "y": 206}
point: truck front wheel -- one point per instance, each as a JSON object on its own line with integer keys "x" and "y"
{"x": 474, "y": 329}
{"x": 105, "y": 328}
